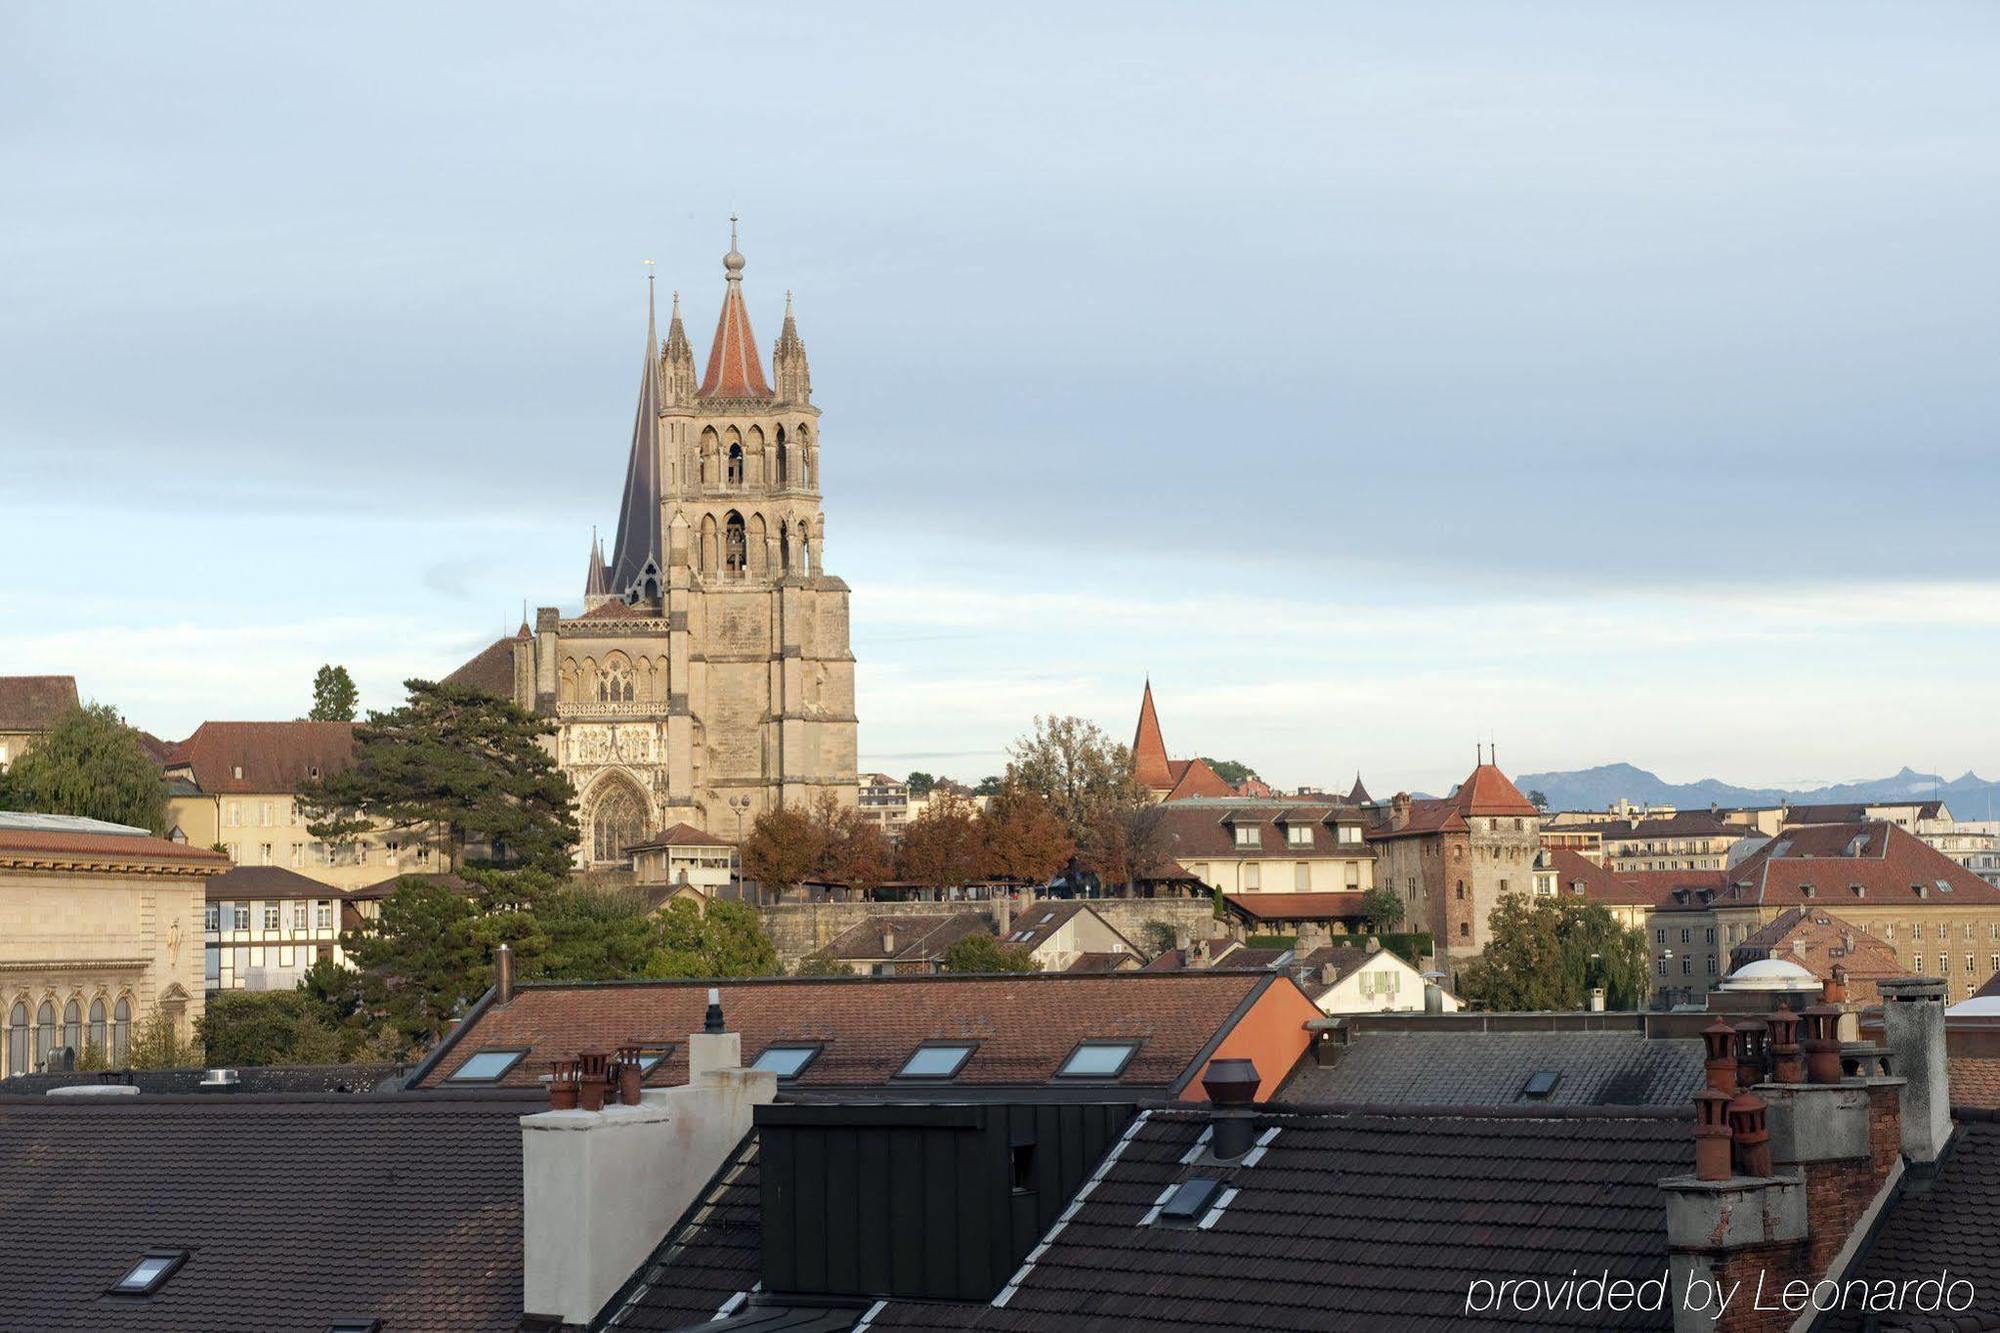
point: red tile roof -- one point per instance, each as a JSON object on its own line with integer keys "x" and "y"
{"x": 614, "y": 610}
{"x": 1150, "y": 767}
{"x": 491, "y": 669}
{"x": 1599, "y": 884}
{"x": 33, "y": 703}
{"x": 266, "y": 882}
{"x": 1488, "y": 792}
{"x": 1974, "y": 1080}
{"x": 734, "y": 367}
{"x": 1193, "y": 777}
{"x": 19, "y": 845}
{"x": 1885, "y": 862}
{"x": 1195, "y": 831}
{"x": 1026, "y": 1025}
{"x": 1818, "y": 941}
{"x": 273, "y": 756}
{"x": 682, "y": 835}
{"x": 1298, "y": 906}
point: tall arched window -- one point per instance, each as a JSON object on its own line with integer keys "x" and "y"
{"x": 45, "y": 1032}
{"x": 785, "y": 547}
{"x": 121, "y": 1030}
{"x": 784, "y": 464}
{"x": 72, "y": 1036}
{"x": 734, "y": 548}
{"x": 735, "y": 465}
{"x": 17, "y": 1038}
{"x": 708, "y": 555}
{"x": 620, "y": 822}
{"x": 97, "y": 1035}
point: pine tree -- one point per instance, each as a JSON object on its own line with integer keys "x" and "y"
{"x": 456, "y": 762}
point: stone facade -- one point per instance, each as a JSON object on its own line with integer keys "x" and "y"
{"x": 708, "y": 677}
{"x": 98, "y": 932}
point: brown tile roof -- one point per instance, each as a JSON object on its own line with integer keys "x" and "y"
{"x": 1026, "y": 1025}
{"x": 491, "y": 670}
{"x": 1975, "y": 1080}
{"x": 1489, "y": 792}
{"x": 1666, "y": 887}
{"x": 1601, "y": 885}
{"x": 735, "y": 370}
{"x": 249, "y": 882}
{"x": 33, "y": 703}
{"x": 1486, "y": 792}
{"x": 297, "y": 1210}
{"x": 1682, "y": 824}
{"x": 1421, "y": 816}
{"x": 1298, "y": 906}
{"x": 1103, "y": 962}
{"x": 1197, "y": 830}
{"x": 1034, "y": 924}
{"x": 918, "y": 938}
{"x": 1854, "y": 813}
{"x": 1885, "y": 862}
{"x": 614, "y": 610}
{"x": 1818, "y": 941}
{"x": 1345, "y": 960}
{"x": 1193, "y": 777}
{"x": 1150, "y": 766}
{"x": 1224, "y": 954}
{"x": 682, "y": 835}
{"x": 30, "y": 845}
{"x": 273, "y": 756}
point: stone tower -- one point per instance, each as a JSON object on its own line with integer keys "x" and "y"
{"x": 709, "y": 676}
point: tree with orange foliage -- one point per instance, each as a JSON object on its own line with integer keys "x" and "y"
{"x": 1025, "y": 838}
{"x": 852, "y": 849}
{"x": 942, "y": 847}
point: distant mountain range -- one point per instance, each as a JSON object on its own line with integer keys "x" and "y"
{"x": 1969, "y": 796}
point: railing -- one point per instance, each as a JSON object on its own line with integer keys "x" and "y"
{"x": 632, "y": 709}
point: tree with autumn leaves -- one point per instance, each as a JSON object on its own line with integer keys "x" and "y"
{"x": 789, "y": 845}
{"x": 1086, "y": 778}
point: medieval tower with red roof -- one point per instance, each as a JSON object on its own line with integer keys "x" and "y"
{"x": 708, "y": 677}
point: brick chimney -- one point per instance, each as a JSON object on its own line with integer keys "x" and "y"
{"x": 1789, "y": 1175}
{"x": 1003, "y": 913}
{"x": 601, "y": 1188}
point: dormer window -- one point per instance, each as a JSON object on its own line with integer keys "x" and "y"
{"x": 236, "y": 771}
{"x": 1247, "y": 836}
{"x": 1299, "y": 835}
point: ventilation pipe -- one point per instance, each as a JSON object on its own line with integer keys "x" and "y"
{"x": 1231, "y": 1086}
{"x": 503, "y": 974}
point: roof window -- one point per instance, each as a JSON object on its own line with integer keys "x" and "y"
{"x": 355, "y": 1326}
{"x": 149, "y": 1274}
{"x": 1189, "y": 1198}
{"x": 1098, "y": 1059}
{"x": 1540, "y": 1084}
{"x": 1046, "y": 918}
{"x": 652, "y": 1055}
{"x": 1944, "y": 885}
{"x": 786, "y": 1061}
{"x": 485, "y": 1066}
{"x": 937, "y": 1059}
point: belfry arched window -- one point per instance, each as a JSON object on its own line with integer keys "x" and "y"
{"x": 735, "y": 465}
{"x": 735, "y": 550}
{"x": 785, "y": 547}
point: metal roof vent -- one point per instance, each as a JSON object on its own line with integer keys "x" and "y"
{"x": 220, "y": 1080}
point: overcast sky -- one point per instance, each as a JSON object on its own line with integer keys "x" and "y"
{"x": 1615, "y": 381}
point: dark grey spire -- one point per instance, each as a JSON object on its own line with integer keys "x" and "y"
{"x": 597, "y": 582}
{"x": 635, "y": 553}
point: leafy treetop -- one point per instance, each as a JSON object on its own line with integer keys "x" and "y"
{"x": 334, "y": 695}
{"x": 89, "y": 764}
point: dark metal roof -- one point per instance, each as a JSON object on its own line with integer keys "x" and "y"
{"x": 294, "y": 1210}
{"x": 1489, "y": 1069}
{"x": 638, "y": 541}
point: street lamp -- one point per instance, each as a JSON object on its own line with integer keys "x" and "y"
{"x": 741, "y": 805}
{"x": 1666, "y": 974}
{"x": 1593, "y": 970}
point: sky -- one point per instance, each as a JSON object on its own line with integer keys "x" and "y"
{"x": 1612, "y": 382}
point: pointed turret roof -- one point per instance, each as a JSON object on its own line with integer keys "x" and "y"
{"x": 734, "y": 368}
{"x": 596, "y": 583}
{"x": 1359, "y": 795}
{"x": 1149, "y": 748}
{"x": 638, "y": 539}
{"x": 1489, "y": 792}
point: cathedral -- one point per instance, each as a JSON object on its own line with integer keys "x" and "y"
{"x": 708, "y": 677}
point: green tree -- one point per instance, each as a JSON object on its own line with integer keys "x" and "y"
{"x": 590, "y": 934}
{"x": 271, "y": 1028}
{"x": 334, "y": 695}
{"x": 1538, "y": 800}
{"x": 984, "y": 953}
{"x": 1546, "y": 953}
{"x": 920, "y": 784}
{"x": 1077, "y": 769}
{"x": 1156, "y": 937}
{"x": 988, "y": 785}
{"x": 1230, "y": 771}
{"x": 91, "y": 764}
{"x": 156, "y": 1045}
{"x": 1382, "y": 907}
{"x": 421, "y": 961}
{"x": 716, "y": 939}
{"x": 458, "y": 762}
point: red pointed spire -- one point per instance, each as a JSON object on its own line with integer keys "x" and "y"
{"x": 734, "y": 368}
{"x": 1149, "y": 748}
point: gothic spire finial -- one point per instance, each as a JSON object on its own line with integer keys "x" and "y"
{"x": 732, "y": 263}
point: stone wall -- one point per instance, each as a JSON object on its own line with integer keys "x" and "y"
{"x": 797, "y": 929}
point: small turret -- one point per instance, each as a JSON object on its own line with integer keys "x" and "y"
{"x": 597, "y": 582}
{"x": 788, "y": 361}
{"x": 677, "y": 379}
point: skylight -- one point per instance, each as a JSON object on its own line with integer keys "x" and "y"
{"x": 652, "y": 1055}
{"x": 1098, "y": 1059}
{"x": 1189, "y": 1198}
{"x": 937, "y": 1060}
{"x": 485, "y": 1066}
{"x": 1541, "y": 1083}
{"x": 150, "y": 1273}
{"x": 786, "y": 1061}
{"x": 355, "y": 1326}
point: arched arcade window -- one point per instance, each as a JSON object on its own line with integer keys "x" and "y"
{"x": 72, "y": 1036}
{"x": 97, "y": 1027}
{"x": 45, "y": 1033}
{"x": 735, "y": 550}
{"x": 17, "y": 1038}
{"x": 121, "y": 1030}
{"x": 735, "y": 465}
